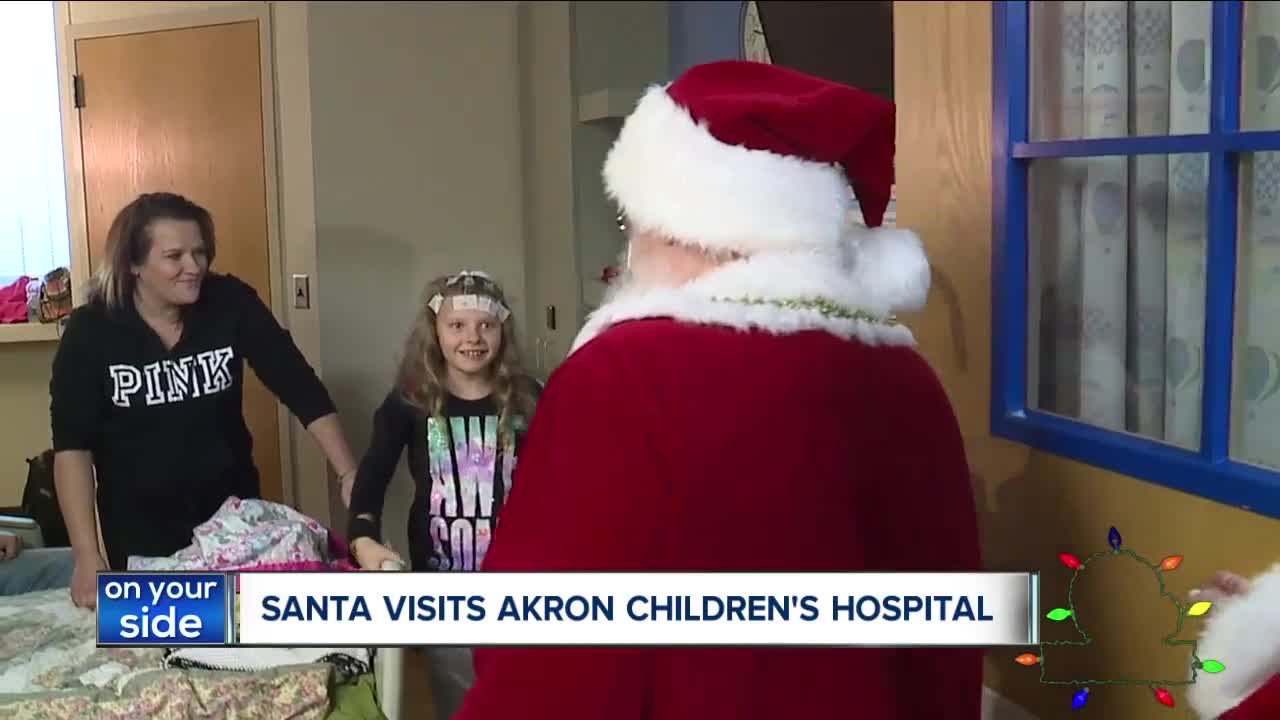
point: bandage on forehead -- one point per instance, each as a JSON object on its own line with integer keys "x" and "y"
{"x": 472, "y": 280}
{"x": 472, "y": 302}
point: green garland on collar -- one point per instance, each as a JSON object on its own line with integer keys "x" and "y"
{"x": 821, "y": 305}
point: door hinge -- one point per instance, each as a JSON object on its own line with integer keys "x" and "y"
{"x": 77, "y": 89}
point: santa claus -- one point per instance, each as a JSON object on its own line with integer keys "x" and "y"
{"x": 1243, "y": 634}
{"x": 744, "y": 401}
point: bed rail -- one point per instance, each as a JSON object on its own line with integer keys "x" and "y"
{"x": 13, "y": 520}
{"x": 388, "y": 668}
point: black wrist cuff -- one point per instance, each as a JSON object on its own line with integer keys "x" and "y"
{"x": 360, "y": 527}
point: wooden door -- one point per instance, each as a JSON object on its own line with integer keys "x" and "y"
{"x": 181, "y": 111}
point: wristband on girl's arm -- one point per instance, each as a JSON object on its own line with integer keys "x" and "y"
{"x": 363, "y": 527}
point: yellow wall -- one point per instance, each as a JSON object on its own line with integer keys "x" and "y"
{"x": 1034, "y": 505}
{"x": 24, "y": 401}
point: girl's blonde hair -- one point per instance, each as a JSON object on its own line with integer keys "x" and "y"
{"x": 423, "y": 369}
{"x": 129, "y": 242}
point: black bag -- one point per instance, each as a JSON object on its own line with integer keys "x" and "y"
{"x": 40, "y": 501}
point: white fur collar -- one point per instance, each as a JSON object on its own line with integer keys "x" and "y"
{"x": 882, "y": 271}
{"x": 1244, "y": 635}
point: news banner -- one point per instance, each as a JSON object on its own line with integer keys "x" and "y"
{"x": 398, "y": 609}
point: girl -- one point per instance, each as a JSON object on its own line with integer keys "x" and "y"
{"x": 461, "y": 405}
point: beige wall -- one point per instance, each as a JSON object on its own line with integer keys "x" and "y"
{"x": 1035, "y": 505}
{"x": 477, "y": 162}
{"x": 547, "y": 113}
{"x": 416, "y": 128}
{"x": 620, "y": 47}
{"x": 570, "y": 51}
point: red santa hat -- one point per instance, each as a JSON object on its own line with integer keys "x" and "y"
{"x": 753, "y": 157}
{"x": 1244, "y": 635}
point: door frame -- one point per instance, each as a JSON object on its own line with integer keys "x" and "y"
{"x": 66, "y": 36}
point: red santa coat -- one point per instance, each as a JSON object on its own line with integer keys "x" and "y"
{"x": 687, "y": 432}
{"x": 1244, "y": 635}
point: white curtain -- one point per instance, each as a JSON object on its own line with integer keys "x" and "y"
{"x": 1256, "y": 416}
{"x": 1192, "y": 27}
{"x": 33, "y": 205}
{"x": 1057, "y": 112}
{"x": 1119, "y": 242}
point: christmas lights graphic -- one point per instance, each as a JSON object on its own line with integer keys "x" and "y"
{"x": 1081, "y": 697}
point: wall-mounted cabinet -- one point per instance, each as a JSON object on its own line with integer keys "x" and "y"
{"x": 610, "y": 104}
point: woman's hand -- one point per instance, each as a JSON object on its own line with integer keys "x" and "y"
{"x": 10, "y": 546}
{"x": 1222, "y": 586}
{"x": 370, "y": 554}
{"x": 84, "y": 580}
{"x": 327, "y": 432}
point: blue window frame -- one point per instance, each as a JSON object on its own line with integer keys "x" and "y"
{"x": 1209, "y": 471}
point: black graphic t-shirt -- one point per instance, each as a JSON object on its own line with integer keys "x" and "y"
{"x": 166, "y": 427}
{"x": 462, "y": 471}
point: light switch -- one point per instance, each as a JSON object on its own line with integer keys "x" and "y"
{"x": 301, "y": 292}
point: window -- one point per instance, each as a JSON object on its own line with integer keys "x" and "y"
{"x": 34, "y": 236}
{"x": 1136, "y": 263}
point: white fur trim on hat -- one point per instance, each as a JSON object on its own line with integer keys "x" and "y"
{"x": 1244, "y": 635}
{"x": 669, "y": 174}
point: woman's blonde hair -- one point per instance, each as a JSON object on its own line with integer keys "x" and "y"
{"x": 423, "y": 369}
{"x": 129, "y": 242}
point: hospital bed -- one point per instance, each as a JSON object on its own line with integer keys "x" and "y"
{"x": 52, "y": 668}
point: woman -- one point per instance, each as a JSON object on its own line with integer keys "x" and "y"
{"x": 147, "y": 391}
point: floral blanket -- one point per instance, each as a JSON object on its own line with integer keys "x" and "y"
{"x": 252, "y": 534}
{"x": 46, "y": 643}
{"x": 50, "y": 667}
{"x": 258, "y": 535}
